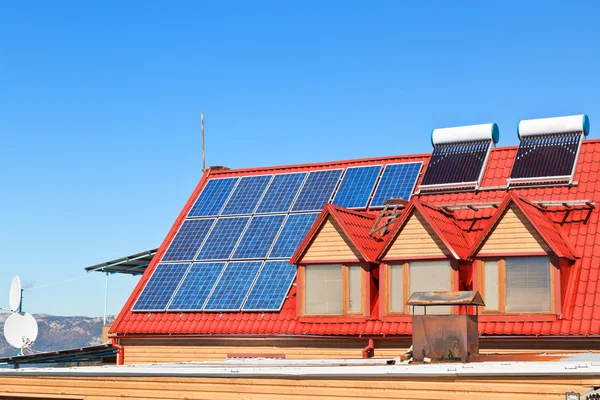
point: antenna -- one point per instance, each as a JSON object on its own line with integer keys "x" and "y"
{"x": 15, "y": 295}
{"x": 202, "y": 125}
{"x": 20, "y": 330}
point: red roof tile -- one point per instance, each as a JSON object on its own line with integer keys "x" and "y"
{"x": 577, "y": 236}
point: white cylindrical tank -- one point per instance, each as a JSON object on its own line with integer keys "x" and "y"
{"x": 465, "y": 134}
{"x": 546, "y": 126}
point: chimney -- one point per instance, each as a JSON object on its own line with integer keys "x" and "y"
{"x": 445, "y": 337}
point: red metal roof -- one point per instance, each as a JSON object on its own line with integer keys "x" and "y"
{"x": 578, "y": 227}
{"x": 355, "y": 226}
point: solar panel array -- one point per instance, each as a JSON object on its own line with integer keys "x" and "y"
{"x": 232, "y": 251}
{"x": 456, "y": 163}
{"x": 546, "y": 156}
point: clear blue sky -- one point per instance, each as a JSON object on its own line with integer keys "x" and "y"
{"x": 100, "y": 101}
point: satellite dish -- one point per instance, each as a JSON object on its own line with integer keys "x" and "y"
{"x": 15, "y": 294}
{"x": 20, "y": 329}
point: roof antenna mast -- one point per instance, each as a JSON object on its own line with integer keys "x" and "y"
{"x": 202, "y": 125}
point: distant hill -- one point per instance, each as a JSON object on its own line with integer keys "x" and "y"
{"x": 58, "y": 333}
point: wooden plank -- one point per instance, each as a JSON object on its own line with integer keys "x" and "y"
{"x": 331, "y": 243}
{"x": 416, "y": 239}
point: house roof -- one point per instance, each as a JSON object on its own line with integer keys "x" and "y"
{"x": 577, "y": 225}
{"x": 355, "y": 226}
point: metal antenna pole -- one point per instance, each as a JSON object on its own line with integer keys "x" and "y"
{"x": 202, "y": 125}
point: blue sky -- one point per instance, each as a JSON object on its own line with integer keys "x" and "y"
{"x": 100, "y": 102}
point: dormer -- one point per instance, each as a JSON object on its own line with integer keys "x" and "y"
{"x": 522, "y": 260}
{"x": 334, "y": 264}
{"x": 421, "y": 254}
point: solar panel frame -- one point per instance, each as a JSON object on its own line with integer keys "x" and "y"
{"x": 215, "y": 241}
{"x": 258, "y": 237}
{"x": 214, "y": 207}
{"x": 247, "y": 195}
{"x": 195, "y": 288}
{"x": 347, "y": 189}
{"x": 271, "y": 204}
{"x": 176, "y": 247}
{"x": 380, "y": 202}
{"x": 289, "y": 247}
{"x": 310, "y": 203}
{"x": 283, "y": 284}
{"x": 177, "y": 272}
{"x": 226, "y": 290}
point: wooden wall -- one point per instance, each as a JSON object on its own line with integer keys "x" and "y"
{"x": 331, "y": 244}
{"x": 514, "y": 233}
{"x": 416, "y": 239}
{"x": 450, "y": 388}
{"x": 143, "y": 351}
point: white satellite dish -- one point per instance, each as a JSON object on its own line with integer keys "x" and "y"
{"x": 15, "y": 294}
{"x": 20, "y": 329}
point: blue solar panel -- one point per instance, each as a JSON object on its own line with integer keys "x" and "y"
{"x": 357, "y": 186}
{"x": 317, "y": 190}
{"x": 271, "y": 287}
{"x": 246, "y": 195}
{"x": 281, "y": 193}
{"x": 231, "y": 290}
{"x": 196, "y": 286}
{"x": 398, "y": 181}
{"x": 259, "y": 237}
{"x": 295, "y": 228}
{"x": 212, "y": 198}
{"x": 159, "y": 289}
{"x": 222, "y": 238}
{"x": 188, "y": 240}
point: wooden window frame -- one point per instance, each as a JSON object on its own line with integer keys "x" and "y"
{"x": 554, "y": 265}
{"x": 364, "y": 298}
{"x": 386, "y": 288}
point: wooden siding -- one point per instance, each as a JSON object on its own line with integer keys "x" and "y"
{"x": 106, "y": 388}
{"x": 143, "y": 351}
{"x": 330, "y": 243}
{"x": 514, "y": 234}
{"x": 416, "y": 239}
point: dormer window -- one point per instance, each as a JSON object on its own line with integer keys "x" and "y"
{"x": 518, "y": 285}
{"x": 332, "y": 289}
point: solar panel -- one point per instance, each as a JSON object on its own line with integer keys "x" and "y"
{"x": 159, "y": 289}
{"x": 222, "y": 238}
{"x": 317, "y": 190}
{"x": 188, "y": 240}
{"x": 232, "y": 288}
{"x": 281, "y": 193}
{"x": 246, "y": 195}
{"x": 546, "y": 156}
{"x": 357, "y": 186}
{"x": 196, "y": 286}
{"x": 259, "y": 237}
{"x": 456, "y": 163}
{"x": 213, "y": 197}
{"x": 397, "y": 181}
{"x": 271, "y": 287}
{"x": 295, "y": 228}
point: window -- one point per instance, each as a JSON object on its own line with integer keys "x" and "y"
{"x": 421, "y": 276}
{"x": 518, "y": 285}
{"x": 333, "y": 289}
